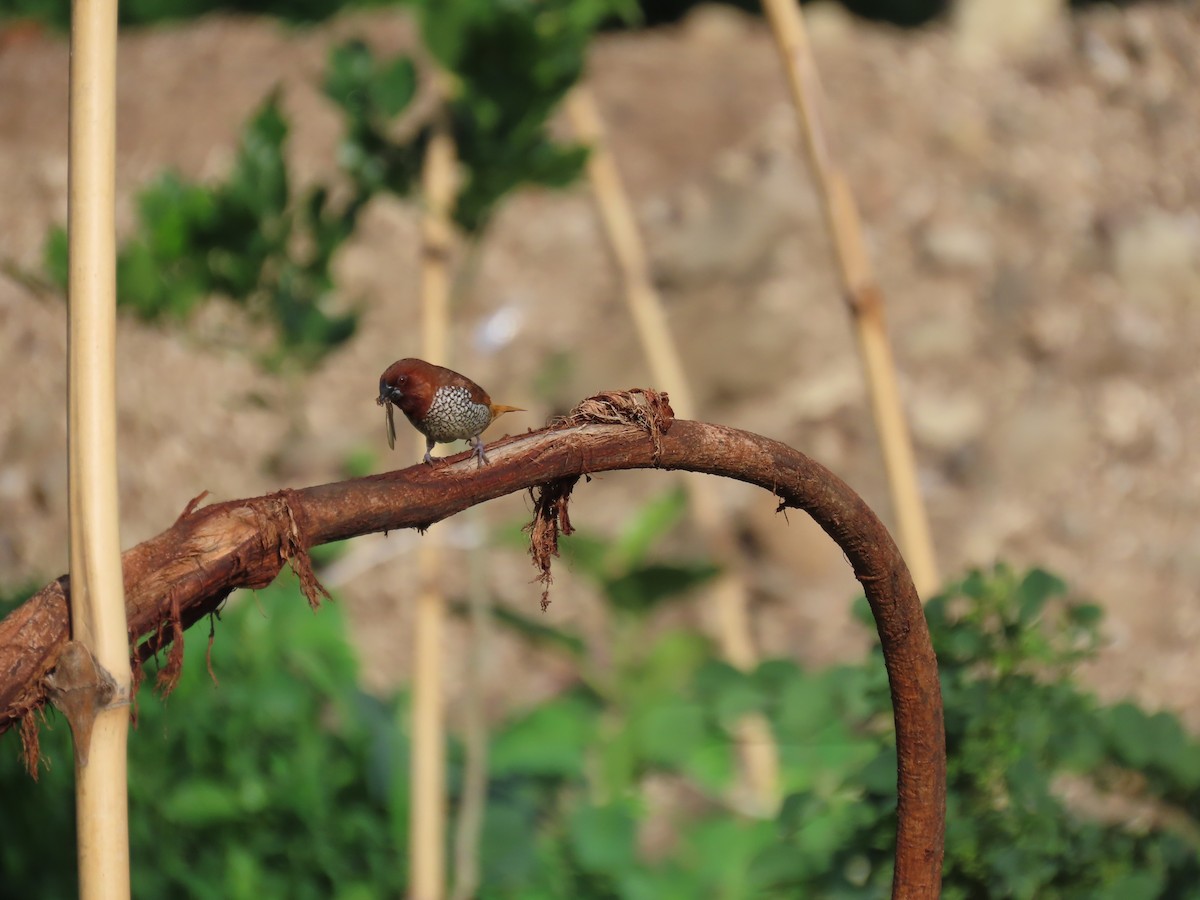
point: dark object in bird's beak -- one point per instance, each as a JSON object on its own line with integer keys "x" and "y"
{"x": 388, "y": 394}
{"x": 391, "y": 422}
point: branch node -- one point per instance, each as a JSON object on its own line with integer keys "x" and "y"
{"x": 80, "y": 687}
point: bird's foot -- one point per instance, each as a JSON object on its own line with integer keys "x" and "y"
{"x": 481, "y": 459}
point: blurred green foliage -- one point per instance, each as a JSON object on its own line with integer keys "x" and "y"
{"x": 249, "y": 239}
{"x": 512, "y": 63}
{"x": 242, "y": 239}
{"x": 508, "y": 65}
{"x": 278, "y": 782}
{"x": 371, "y": 95}
{"x": 287, "y": 781}
{"x": 57, "y": 13}
{"x": 145, "y": 12}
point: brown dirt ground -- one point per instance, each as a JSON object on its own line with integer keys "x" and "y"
{"x": 1036, "y": 227}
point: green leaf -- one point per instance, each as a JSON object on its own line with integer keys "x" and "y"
{"x": 588, "y": 554}
{"x": 644, "y": 589}
{"x": 976, "y": 585}
{"x": 510, "y": 855}
{"x": 394, "y": 87}
{"x": 669, "y": 733}
{"x": 347, "y": 73}
{"x": 668, "y": 667}
{"x": 711, "y": 763}
{"x": 806, "y": 706}
{"x": 720, "y": 851}
{"x": 1037, "y": 588}
{"x": 1128, "y": 727}
{"x": 202, "y": 802}
{"x": 550, "y": 740}
{"x": 1133, "y": 886}
{"x": 603, "y": 838}
{"x": 652, "y": 521}
{"x": 556, "y": 167}
{"x": 1085, "y": 615}
{"x": 778, "y": 866}
{"x": 538, "y": 632}
{"x": 55, "y": 255}
{"x": 960, "y": 643}
{"x": 731, "y": 692}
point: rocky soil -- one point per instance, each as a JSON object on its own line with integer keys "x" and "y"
{"x": 1036, "y": 228}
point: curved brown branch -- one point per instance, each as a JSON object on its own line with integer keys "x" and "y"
{"x": 181, "y": 575}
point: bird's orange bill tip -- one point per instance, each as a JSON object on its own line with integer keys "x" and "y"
{"x": 391, "y": 425}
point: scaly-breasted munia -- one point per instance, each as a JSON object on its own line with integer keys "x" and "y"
{"x": 441, "y": 404}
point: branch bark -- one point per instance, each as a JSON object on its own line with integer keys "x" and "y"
{"x": 183, "y": 574}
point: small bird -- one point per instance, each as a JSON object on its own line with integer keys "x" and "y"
{"x": 441, "y": 404}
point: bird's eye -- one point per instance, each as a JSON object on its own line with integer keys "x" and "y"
{"x": 400, "y": 379}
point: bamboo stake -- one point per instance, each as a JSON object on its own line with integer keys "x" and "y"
{"x": 863, "y": 295}
{"x": 428, "y": 774}
{"x": 732, "y": 624}
{"x": 91, "y": 683}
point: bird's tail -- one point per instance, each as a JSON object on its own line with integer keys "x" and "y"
{"x": 499, "y": 409}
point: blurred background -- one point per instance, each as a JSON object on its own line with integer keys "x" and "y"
{"x": 1028, "y": 175}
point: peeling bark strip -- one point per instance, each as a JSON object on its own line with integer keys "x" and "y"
{"x": 551, "y": 517}
{"x": 208, "y": 553}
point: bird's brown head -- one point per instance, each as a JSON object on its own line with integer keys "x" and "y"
{"x": 409, "y": 385}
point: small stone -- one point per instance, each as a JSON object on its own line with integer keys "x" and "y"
{"x": 986, "y": 30}
{"x": 1140, "y": 336}
{"x": 837, "y": 388}
{"x": 1132, "y": 420}
{"x": 957, "y": 248}
{"x": 1157, "y": 259}
{"x": 947, "y": 421}
{"x": 49, "y": 482}
{"x": 1053, "y": 330}
{"x": 1042, "y": 439}
{"x": 948, "y": 336}
{"x": 828, "y": 23}
{"x": 716, "y": 25}
{"x": 987, "y": 536}
{"x": 1011, "y": 297}
{"x": 14, "y": 483}
{"x": 1110, "y": 67}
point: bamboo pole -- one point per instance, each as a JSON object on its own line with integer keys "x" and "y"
{"x": 91, "y": 683}
{"x": 863, "y": 295}
{"x": 732, "y": 623}
{"x": 428, "y": 774}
